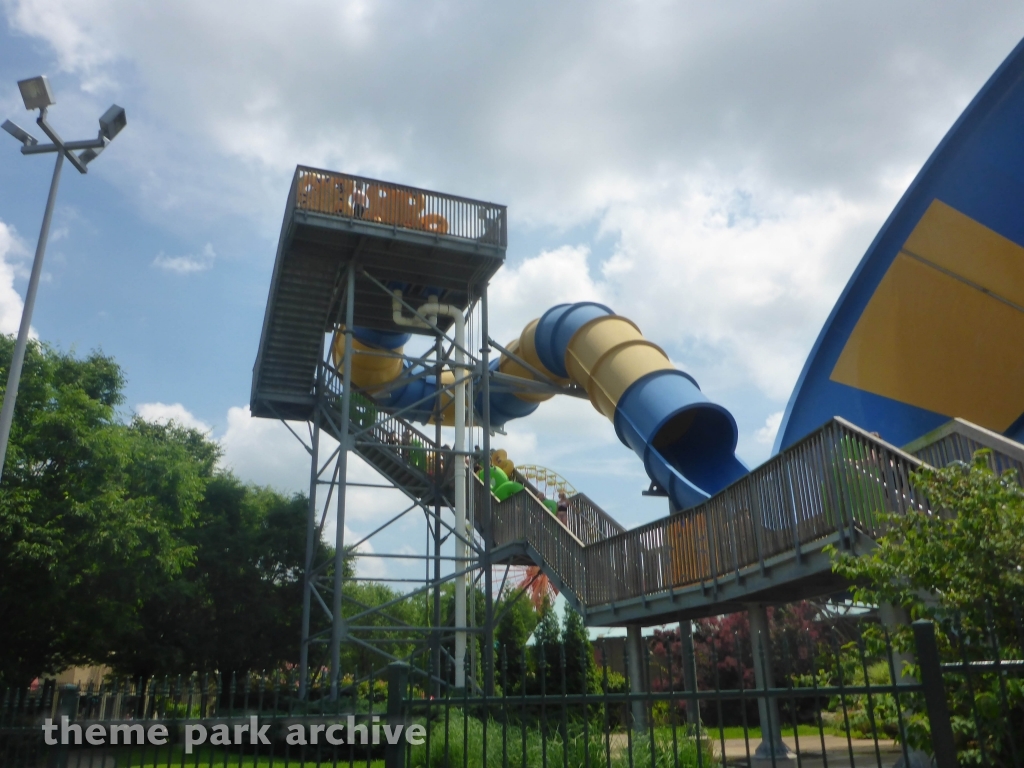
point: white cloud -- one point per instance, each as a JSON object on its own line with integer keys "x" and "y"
{"x": 766, "y": 434}
{"x": 735, "y": 277}
{"x": 11, "y": 250}
{"x": 524, "y": 291}
{"x": 740, "y": 270}
{"x": 185, "y": 265}
{"x": 264, "y": 452}
{"x": 576, "y": 108}
{"x": 711, "y": 170}
{"x": 162, "y": 413}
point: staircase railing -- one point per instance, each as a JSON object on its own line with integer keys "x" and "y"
{"x": 587, "y": 521}
{"x": 379, "y": 429}
{"x": 522, "y": 517}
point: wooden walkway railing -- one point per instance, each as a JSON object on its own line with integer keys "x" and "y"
{"x": 836, "y": 479}
{"x": 957, "y": 440}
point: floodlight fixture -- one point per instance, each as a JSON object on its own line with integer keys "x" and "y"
{"x": 112, "y": 121}
{"x": 19, "y": 133}
{"x": 36, "y": 93}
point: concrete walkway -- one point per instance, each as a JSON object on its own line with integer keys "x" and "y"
{"x": 836, "y": 754}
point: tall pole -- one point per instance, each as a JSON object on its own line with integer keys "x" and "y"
{"x": 461, "y": 533}
{"x": 339, "y": 546}
{"x": 14, "y": 376}
{"x": 436, "y": 634}
{"x": 488, "y": 537}
{"x": 311, "y": 542}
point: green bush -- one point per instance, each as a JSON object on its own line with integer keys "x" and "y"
{"x": 460, "y": 743}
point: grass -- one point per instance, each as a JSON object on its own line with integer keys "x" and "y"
{"x": 736, "y": 732}
{"x": 464, "y": 747}
{"x": 218, "y": 758}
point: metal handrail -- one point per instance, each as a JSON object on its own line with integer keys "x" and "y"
{"x": 346, "y": 196}
{"x": 396, "y": 435}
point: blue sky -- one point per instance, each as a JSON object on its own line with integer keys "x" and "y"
{"x": 713, "y": 171}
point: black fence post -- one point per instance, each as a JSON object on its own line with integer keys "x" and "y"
{"x": 689, "y": 674}
{"x": 934, "y": 694}
{"x": 398, "y": 685}
{"x": 67, "y": 706}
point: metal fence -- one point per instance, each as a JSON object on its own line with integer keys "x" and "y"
{"x": 838, "y": 699}
{"x": 396, "y": 205}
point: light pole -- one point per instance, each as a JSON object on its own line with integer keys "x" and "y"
{"x": 36, "y": 94}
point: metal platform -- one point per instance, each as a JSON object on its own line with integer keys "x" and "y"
{"x": 424, "y": 242}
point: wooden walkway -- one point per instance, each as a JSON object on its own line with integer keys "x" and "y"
{"x": 761, "y": 539}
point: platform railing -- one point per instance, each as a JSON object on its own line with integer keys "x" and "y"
{"x": 396, "y": 205}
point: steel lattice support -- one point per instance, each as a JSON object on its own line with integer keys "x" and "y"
{"x": 417, "y": 463}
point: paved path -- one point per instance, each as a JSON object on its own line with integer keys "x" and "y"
{"x": 837, "y": 752}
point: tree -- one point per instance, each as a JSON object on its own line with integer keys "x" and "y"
{"x": 966, "y": 557}
{"x": 518, "y": 620}
{"x": 237, "y": 606}
{"x": 91, "y": 512}
{"x": 547, "y": 659}
{"x": 579, "y": 655}
{"x": 960, "y": 562}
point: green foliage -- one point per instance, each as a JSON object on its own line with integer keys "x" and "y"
{"x": 964, "y": 567}
{"x": 357, "y": 597}
{"x": 237, "y": 606}
{"x": 91, "y": 512}
{"x": 579, "y": 654}
{"x": 968, "y": 557}
{"x": 518, "y": 620}
{"x": 860, "y": 663}
{"x": 122, "y": 545}
{"x": 459, "y": 742}
{"x": 547, "y": 639}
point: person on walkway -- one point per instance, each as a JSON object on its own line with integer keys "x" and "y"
{"x": 359, "y": 201}
{"x": 563, "y": 509}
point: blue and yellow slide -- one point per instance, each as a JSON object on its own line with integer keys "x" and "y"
{"x": 686, "y": 442}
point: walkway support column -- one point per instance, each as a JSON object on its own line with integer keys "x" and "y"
{"x": 635, "y": 670}
{"x": 771, "y": 745}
